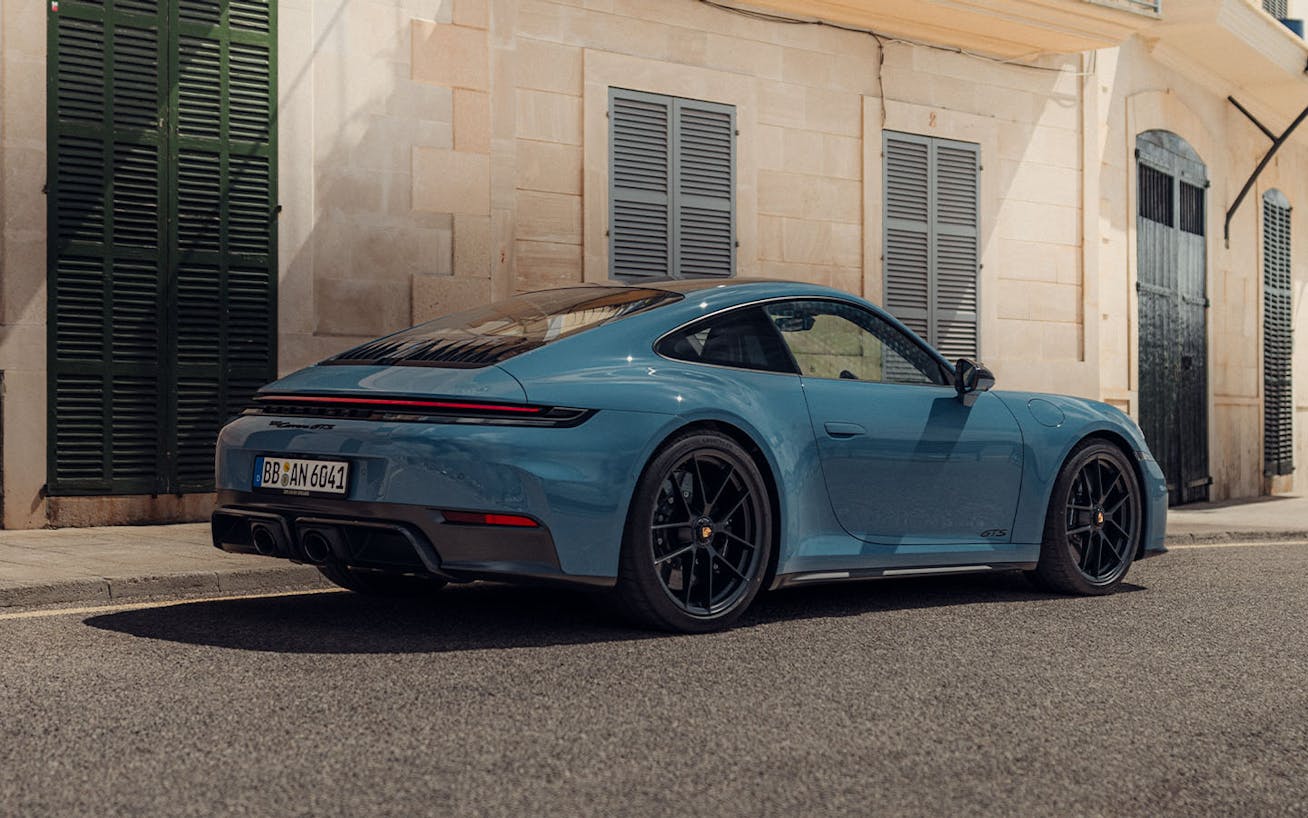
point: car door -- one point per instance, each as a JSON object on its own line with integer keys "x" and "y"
{"x": 905, "y": 462}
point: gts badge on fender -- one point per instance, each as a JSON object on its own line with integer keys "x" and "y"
{"x": 994, "y": 532}
{"x": 286, "y": 424}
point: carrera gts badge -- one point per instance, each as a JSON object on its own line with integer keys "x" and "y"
{"x": 994, "y": 532}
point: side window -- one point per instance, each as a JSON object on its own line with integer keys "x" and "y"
{"x": 743, "y": 338}
{"x": 830, "y": 339}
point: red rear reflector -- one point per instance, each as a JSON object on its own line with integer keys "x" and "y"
{"x": 397, "y": 402}
{"x": 480, "y": 518}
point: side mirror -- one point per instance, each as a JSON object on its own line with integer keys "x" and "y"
{"x": 971, "y": 378}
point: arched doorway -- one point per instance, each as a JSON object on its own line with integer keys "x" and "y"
{"x": 1173, "y": 302}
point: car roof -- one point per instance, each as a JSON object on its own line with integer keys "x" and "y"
{"x": 691, "y": 285}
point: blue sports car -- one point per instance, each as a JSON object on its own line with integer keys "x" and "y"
{"x": 682, "y": 445}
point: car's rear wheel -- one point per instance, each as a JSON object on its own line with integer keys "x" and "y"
{"x": 1094, "y": 523}
{"x": 698, "y": 536}
{"x": 376, "y": 583}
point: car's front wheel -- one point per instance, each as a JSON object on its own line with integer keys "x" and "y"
{"x": 698, "y": 536}
{"x": 377, "y": 583}
{"x": 1094, "y": 522}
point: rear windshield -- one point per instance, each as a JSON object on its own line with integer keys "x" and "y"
{"x": 496, "y": 332}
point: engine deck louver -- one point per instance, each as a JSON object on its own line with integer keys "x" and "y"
{"x": 447, "y": 350}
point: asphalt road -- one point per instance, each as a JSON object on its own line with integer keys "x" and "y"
{"x": 1185, "y": 694}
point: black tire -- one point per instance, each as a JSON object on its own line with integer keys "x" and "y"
{"x": 698, "y": 536}
{"x": 376, "y": 583}
{"x": 1094, "y": 523}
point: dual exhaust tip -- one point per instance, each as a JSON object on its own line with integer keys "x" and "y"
{"x": 317, "y": 544}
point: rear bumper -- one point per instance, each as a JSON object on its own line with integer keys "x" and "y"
{"x": 390, "y": 537}
{"x": 576, "y": 482}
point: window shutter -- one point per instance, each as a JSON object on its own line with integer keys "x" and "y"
{"x": 1278, "y": 406}
{"x": 160, "y": 329}
{"x": 671, "y": 187}
{"x": 932, "y": 239}
{"x": 908, "y": 231}
{"x": 105, "y": 205}
{"x": 956, "y": 237}
{"x": 704, "y": 227}
{"x": 640, "y": 185}
{"x": 1277, "y": 8}
{"x": 225, "y": 231}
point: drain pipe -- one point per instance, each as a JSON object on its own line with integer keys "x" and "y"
{"x": 1276, "y": 146}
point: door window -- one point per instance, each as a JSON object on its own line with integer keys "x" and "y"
{"x": 830, "y": 339}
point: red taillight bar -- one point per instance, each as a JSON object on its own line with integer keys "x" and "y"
{"x": 482, "y": 518}
{"x": 398, "y": 402}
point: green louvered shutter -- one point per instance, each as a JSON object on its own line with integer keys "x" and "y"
{"x": 932, "y": 239}
{"x": 672, "y": 187}
{"x": 224, "y": 236}
{"x": 1278, "y": 401}
{"x": 106, "y": 189}
{"x": 146, "y": 217}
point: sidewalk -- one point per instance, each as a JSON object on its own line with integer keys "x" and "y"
{"x": 1283, "y": 517}
{"x": 100, "y": 565}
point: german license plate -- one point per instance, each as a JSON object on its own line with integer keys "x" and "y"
{"x": 305, "y": 477}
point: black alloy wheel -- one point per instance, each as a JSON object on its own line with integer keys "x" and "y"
{"x": 1094, "y": 523}
{"x": 699, "y": 536}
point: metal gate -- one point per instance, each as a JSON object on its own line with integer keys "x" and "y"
{"x": 162, "y": 236}
{"x": 1173, "y": 303}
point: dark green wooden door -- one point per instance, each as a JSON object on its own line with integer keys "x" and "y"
{"x": 1172, "y": 287}
{"x": 162, "y": 248}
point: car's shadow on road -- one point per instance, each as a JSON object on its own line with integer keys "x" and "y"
{"x": 483, "y": 616}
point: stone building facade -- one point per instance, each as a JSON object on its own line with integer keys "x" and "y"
{"x": 430, "y": 156}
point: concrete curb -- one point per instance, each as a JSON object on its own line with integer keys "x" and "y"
{"x": 1257, "y": 535}
{"x": 103, "y": 590}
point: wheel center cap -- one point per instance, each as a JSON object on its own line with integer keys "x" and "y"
{"x": 1099, "y": 517}
{"x": 704, "y": 530}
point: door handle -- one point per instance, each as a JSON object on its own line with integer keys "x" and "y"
{"x": 841, "y": 430}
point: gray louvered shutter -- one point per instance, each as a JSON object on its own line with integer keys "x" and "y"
{"x": 704, "y": 172}
{"x": 932, "y": 239}
{"x": 1278, "y": 406}
{"x": 907, "y": 230}
{"x": 640, "y": 184}
{"x": 956, "y": 240}
{"x": 671, "y": 187}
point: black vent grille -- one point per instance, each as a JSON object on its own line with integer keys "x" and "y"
{"x": 1155, "y": 195}
{"x": 455, "y": 349}
{"x": 1192, "y": 209}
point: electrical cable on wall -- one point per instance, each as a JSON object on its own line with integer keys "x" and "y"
{"x": 882, "y": 41}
